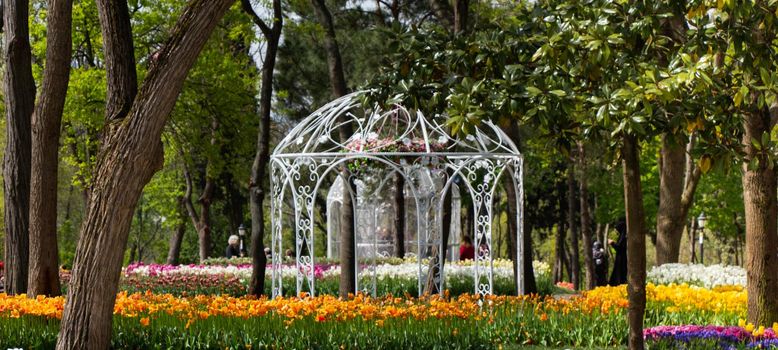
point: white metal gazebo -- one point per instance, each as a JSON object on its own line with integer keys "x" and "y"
{"x": 360, "y": 151}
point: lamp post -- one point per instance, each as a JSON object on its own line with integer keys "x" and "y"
{"x": 701, "y": 223}
{"x": 242, "y": 235}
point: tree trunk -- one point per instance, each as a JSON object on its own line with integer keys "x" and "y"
{"x": 348, "y": 242}
{"x": 461, "y": 11}
{"x": 575, "y": 267}
{"x": 759, "y": 188}
{"x": 348, "y": 273}
{"x": 43, "y": 277}
{"x": 19, "y": 103}
{"x": 334, "y": 61}
{"x": 586, "y": 225}
{"x": 262, "y": 156}
{"x": 204, "y": 221}
{"x": 636, "y": 241}
{"x": 692, "y": 234}
{"x": 568, "y": 259}
{"x": 668, "y": 220}
{"x": 399, "y": 219}
{"x": 122, "y": 79}
{"x": 200, "y": 220}
{"x": 561, "y": 263}
{"x": 129, "y": 157}
{"x": 678, "y": 179}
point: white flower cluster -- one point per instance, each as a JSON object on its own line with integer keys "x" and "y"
{"x": 411, "y": 271}
{"x": 697, "y": 274}
{"x": 541, "y": 268}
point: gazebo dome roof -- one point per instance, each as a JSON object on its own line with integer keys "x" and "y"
{"x": 397, "y": 131}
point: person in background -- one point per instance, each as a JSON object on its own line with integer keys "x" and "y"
{"x": 619, "y": 273}
{"x": 233, "y": 247}
{"x": 466, "y": 250}
{"x": 600, "y": 264}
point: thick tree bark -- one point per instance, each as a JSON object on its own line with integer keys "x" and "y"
{"x": 262, "y": 157}
{"x": 348, "y": 273}
{"x": 399, "y": 219}
{"x": 43, "y": 277}
{"x": 19, "y": 103}
{"x": 586, "y": 224}
{"x": 128, "y": 159}
{"x": 636, "y": 241}
{"x": 759, "y": 188}
{"x": 678, "y": 179}
{"x": 671, "y": 168}
{"x": 575, "y": 267}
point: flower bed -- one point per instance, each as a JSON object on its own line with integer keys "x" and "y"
{"x": 595, "y": 319}
{"x": 709, "y": 276}
{"x": 711, "y": 337}
{"x": 394, "y": 277}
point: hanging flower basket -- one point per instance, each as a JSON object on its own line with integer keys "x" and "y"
{"x": 372, "y": 143}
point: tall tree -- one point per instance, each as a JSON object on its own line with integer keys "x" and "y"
{"x": 43, "y": 276}
{"x": 19, "y": 101}
{"x": 130, "y": 154}
{"x": 257, "y": 191}
{"x": 636, "y": 240}
{"x": 739, "y": 66}
{"x": 348, "y": 273}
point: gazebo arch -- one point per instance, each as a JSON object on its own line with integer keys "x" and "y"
{"x": 382, "y": 148}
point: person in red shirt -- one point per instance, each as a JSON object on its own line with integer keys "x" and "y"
{"x": 466, "y": 250}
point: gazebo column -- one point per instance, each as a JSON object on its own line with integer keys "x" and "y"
{"x": 482, "y": 177}
{"x": 304, "y": 195}
{"x": 518, "y": 173}
{"x": 276, "y": 216}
